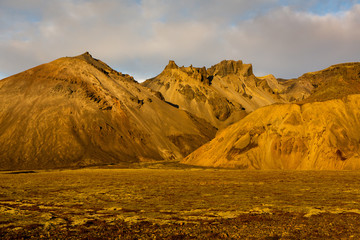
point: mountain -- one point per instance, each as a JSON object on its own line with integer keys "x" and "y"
{"x": 77, "y": 111}
{"x": 318, "y": 135}
{"x": 222, "y": 94}
{"x": 320, "y": 130}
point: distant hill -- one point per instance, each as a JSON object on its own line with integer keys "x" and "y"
{"x": 77, "y": 111}
{"x": 331, "y": 83}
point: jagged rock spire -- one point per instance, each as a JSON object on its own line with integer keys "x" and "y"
{"x": 171, "y": 65}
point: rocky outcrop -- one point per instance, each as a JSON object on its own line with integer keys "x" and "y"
{"x": 171, "y": 65}
{"x": 222, "y": 94}
{"x": 319, "y": 135}
{"x": 228, "y": 67}
{"x": 77, "y": 111}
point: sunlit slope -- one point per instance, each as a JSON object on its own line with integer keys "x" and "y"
{"x": 222, "y": 94}
{"x": 319, "y": 135}
{"x": 78, "y": 111}
{"x": 331, "y": 83}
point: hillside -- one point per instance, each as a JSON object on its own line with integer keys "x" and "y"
{"x": 318, "y": 135}
{"x": 77, "y": 111}
{"x": 334, "y": 82}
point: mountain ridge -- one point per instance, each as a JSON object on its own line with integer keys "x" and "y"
{"x": 78, "y": 111}
{"x": 221, "y": 94}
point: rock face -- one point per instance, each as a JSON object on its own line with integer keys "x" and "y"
{"x": 318, "y": 135}
{"x": 77, "y": 111}
{"x": 222, "y": 94}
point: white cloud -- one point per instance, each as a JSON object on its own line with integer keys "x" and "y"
{"x": 289, "y": 43}
{"x": 139, "y": 37}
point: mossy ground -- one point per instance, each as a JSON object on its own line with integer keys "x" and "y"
{"x": 179, "y": 203}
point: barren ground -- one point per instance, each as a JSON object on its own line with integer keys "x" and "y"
{"x": 174, "y": 202}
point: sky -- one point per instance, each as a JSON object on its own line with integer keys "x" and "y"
{"x": 286, "y": 38}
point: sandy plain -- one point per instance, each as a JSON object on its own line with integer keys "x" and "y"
{"x": 172, "y": 201}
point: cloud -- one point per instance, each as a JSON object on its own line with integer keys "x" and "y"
{"x": 286, "y": 38}
{"x": 289, "y": 43}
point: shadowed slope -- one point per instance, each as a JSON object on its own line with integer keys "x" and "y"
{"x": 222, "y": 94}
{"x": 320, "y": 135}
{"x": 78, "y": 112}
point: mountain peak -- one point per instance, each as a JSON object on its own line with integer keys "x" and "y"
{"x": 87, "y": 57}
{"x": 86, "y": 54}
{"x": 171, "y": 65}
{"x": 227, "y": 67}
{"x": 100, "y": 65}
